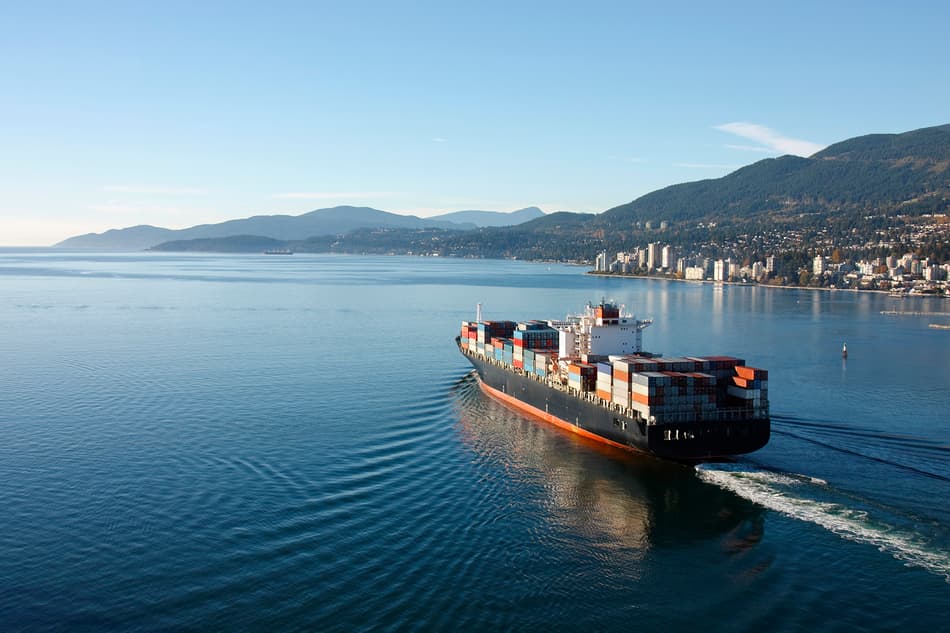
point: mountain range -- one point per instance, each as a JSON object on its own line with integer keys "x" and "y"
{"x": 333, "y": 221}
{"x": 872, "y": 176}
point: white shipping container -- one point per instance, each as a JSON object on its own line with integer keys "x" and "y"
{"x": 623, "y": 401}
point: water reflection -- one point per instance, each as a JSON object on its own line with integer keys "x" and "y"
{"x": 617, "y": 500}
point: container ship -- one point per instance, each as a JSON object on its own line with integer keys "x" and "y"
{"x": 589, "y": 374}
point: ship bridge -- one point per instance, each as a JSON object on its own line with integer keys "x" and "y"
{"x": 603, "y": 330}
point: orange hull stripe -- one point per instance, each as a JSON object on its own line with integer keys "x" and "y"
{"x": 547, "y": 417}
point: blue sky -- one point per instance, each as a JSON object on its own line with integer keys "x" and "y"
{"x": 174, "y": 114}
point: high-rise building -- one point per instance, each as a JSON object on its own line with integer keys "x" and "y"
{"x": 653, "y": 255}
{"x": 819, "y": 265}
{"x": 601, "y": 263}
{"x": 721, "y": 270}
{"x": 668, "y": 257}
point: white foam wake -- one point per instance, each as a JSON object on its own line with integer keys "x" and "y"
{"x": 779, "y": 492}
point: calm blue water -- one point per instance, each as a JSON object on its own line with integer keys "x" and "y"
{"x": 293, "y": 443}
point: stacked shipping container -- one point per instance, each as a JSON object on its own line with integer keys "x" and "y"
{"x": 530, "y": 346}
{"x": 685, "y": 389}
{"x": 532, "y": 336}
{"x": 581, "y": 376}
{"x": 750, "y": 386}
{"x": 604, "y": 381}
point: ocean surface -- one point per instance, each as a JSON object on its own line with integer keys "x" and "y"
{"x": 266, "y": 443}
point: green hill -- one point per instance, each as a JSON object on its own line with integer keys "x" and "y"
{"x": 878, "y": 173}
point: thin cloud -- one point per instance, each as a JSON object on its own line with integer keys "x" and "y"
{"x": 162, "y": 191}
{"x": 705, "y": 166}
{"x": 770, "y": 139}
{"x": 438, "y": 139}
{"x": 333, "y": 195}
{"x": 121, "y": 208}
{"x": 752, "y": 148}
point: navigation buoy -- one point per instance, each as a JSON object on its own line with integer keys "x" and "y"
{"x": 844, "y": 351}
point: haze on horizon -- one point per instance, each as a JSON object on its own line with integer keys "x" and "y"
{"x": 180, "y": 114}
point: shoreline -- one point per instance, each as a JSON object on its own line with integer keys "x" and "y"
{"x": 758, "y": 285}
{"x": 10, "y": 249}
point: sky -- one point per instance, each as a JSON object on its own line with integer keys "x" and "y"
{"x": 114, "y": 114}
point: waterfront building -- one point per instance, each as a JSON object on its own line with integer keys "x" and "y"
{"x": 653, "y": 255}
{"x": 667, "y": 258}
{"x": 721, "y": 270}
{"x": 935, "y": 273}
{"x": 695, "y": 273}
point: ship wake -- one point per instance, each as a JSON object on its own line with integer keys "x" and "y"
{"x": 813, "y": 500}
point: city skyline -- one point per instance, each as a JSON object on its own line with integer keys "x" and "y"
{"x": 118, "y": 115}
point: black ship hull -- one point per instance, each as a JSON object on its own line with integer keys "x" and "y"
{"x": 687, "y": 442}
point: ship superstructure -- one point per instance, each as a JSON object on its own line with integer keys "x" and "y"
{"x": 589, "y": 373}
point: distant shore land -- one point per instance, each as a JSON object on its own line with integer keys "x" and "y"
{"x": 897, "y": 292}
{"x": 595, "y": 273}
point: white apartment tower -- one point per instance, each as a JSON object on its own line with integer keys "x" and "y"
{"x": 721, "y": 270}
{"x": 668, "y": 258}
{"x": 653, "y": 255}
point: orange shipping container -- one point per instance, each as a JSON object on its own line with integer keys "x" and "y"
{"x": 751, "y": 373}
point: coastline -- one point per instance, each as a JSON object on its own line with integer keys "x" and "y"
{"x": 745, "y": 283}
{"x": 13, "y": 249}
